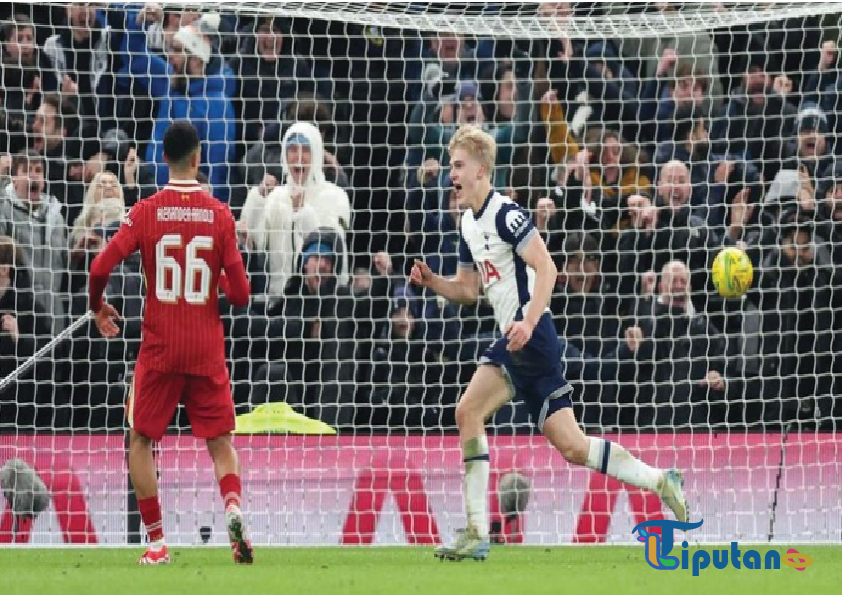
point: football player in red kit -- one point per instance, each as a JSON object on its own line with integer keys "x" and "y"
{"x": 188, "y": 248}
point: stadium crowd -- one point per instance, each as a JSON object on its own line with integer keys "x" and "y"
{"x": 638, "y": 159}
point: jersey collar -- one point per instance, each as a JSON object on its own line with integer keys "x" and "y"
{"x": 484, "y": 204}
{"x": 183, "y": 186}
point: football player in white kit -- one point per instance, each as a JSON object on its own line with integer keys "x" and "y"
{"x": 501, "y": 249}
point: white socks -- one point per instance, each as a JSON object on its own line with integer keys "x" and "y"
{"x": 475, "y": 483}
{"x": 612, "y": 459}
{"x": 603, "y": 456}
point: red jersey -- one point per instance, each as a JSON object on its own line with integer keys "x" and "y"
{"x": 186, "y": 238}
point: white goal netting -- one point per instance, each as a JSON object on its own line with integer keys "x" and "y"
{"x": 641, "y": 137}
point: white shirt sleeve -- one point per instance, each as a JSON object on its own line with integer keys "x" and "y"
{"x": 254, "y": 217}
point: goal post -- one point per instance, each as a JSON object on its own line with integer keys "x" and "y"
{"x": 640, "y": 139}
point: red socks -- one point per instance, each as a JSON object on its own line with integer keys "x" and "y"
{"x": 231, "y": 490}
{"x": 150, "y": 513}
{"x": 150, "y": 509}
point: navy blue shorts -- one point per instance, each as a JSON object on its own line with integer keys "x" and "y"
{"x": 535, "y": 371}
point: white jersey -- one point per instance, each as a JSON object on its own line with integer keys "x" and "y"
{"x": 492, "y": 240}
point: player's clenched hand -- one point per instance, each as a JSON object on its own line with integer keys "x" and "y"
{"x": 518, "y": 333}
{"x": 421, "y": 274}
{"x": 106, "y": 320}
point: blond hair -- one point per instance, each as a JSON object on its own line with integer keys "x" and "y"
{"x": 477, "y": 143}
{"x": 93, "y": 187}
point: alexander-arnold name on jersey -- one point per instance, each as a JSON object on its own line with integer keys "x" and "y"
{"x": 184, "y": 214}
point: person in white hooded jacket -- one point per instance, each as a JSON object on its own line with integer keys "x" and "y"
{"x": 277, "y": 219}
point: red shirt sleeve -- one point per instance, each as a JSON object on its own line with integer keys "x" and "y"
{"x": 234, "y": 281}
{"x": 124, "y": 243}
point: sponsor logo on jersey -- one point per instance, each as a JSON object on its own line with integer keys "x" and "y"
{"x": 516, "y": 222}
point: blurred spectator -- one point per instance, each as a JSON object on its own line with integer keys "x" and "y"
{"x": 599, "y": 182}
{"x": 34, "y": 220}
{"x": 104, "y": 186}
{"x": 809, "y": 150}
{"x": 822, "y": 87}
{"x": 54, "y": 135}
{"x": 829, "y": 211}
{"x": 433, "y": 128}
{"x": 562, "y": 144}
{"x": 681, "y": 377}
{"x": 90, "y": 234}
{"x": 448, "y": 59}
{"x": 746, "y": 220}
{"x": 318, "y": 332}
{"x": 405, "y": 374}
{"x": 698, "y": 46}
{"x": 302, "y": 161}
{"x": 269, "y": 75}
{"x": 688, "y": 88}
{"x": 759, "y": 118}
{"x": 82, "y": 54}
{"x": 24, "y": 328}
{"x": 666, "y": 231}
{"x": 709, "y": 171}
{"x": 117, "y": 154}
{"x": 191, "y": 84}
{"x": 612, "y": 89}
{"x": 276, "y": 224}
{"x": 584, "y": 314}
{"x": 265, "y": 156}
{"x": 26, "y": 74}
{"x": 792, "y": 287}
{"x": 792, "y": 191}
{"x": 164, "y": 23}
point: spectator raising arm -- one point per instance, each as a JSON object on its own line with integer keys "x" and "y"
{"x": 192, "y": 84}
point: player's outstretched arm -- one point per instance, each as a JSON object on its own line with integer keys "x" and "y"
{"x": 464, "y": 288}
{"x": 234, "y": 281}
{"x": 124, "y": 243}
{"x": 101, "y": 268}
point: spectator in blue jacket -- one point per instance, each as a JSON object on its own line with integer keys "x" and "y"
{"x": 194, "y": 84}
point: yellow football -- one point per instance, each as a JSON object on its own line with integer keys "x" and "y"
{"x": 732, "y": 272}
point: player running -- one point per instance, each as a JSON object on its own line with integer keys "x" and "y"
{"x": 186, "y": 240}
{"x": 518, "y": 275}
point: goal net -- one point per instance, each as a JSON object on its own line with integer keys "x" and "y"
{"x": 641, "y": 139}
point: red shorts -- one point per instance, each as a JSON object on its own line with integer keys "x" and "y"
{"x": 154, "y": 398}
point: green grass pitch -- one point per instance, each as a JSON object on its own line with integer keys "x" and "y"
{"x": 410, "y": 570}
